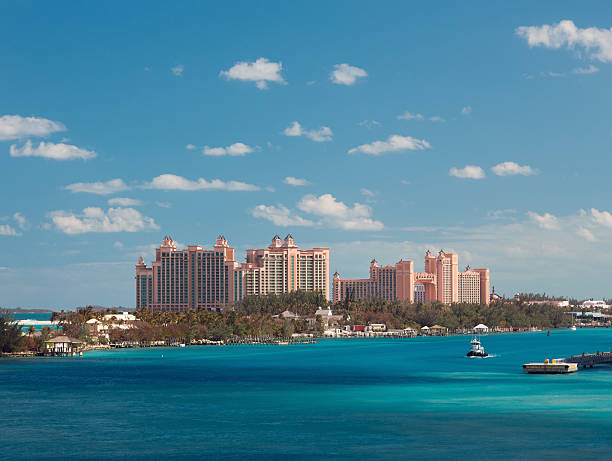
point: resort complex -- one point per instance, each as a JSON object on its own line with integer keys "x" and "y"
{"x": 441, "y": 281}
{"x": 212, "y": 279}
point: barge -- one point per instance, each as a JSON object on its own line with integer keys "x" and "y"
{"x": 550, "y": 367}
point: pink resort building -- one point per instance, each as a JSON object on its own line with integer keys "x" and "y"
{"x": 440, "y": 281}
{"x": 212, "y": 279}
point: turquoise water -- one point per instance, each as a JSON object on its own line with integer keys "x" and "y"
{"x": 31, "y": 316}
{"x": 381, "y": 399}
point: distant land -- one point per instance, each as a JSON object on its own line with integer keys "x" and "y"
{"x": 20, "y": 310}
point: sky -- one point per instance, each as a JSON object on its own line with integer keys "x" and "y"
{"x": 379, "y": 129}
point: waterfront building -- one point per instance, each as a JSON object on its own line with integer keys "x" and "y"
{"x": 385, "y": 282}
{"x": 211, "y": 279}
{"x": 440, "y": 281}
{"x": 282, "y": 268}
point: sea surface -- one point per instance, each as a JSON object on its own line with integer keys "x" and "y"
{"x": 417, "y": 398}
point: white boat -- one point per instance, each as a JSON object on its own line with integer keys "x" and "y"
{"x": 476, "y": 350}
{"x": 573, "y": 328}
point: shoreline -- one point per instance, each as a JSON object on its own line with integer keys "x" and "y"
{"x": 277, "y": 341}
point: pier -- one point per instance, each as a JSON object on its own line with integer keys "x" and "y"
{"x": 588, "y": 360}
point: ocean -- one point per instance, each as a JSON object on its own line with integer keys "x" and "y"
{"x": 417, "y": 398}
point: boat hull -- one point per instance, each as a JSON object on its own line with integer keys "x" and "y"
{"x": 477, "y": 354}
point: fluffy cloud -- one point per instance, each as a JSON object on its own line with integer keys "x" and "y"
{"x": 596, "y": 41}
{"x": 367, "y": 192}
{"x": 395, "y": 143}
{"x": 280, "y": 215}
{"x": 329, "y": 211}
{"x": 22, "y": 222}
{"x": 174, "y": 182}
{"x": 261, "y": 72}
{"x": 369, "y": 124}
{"x": 603, "y": 218}
{"x": 124, "y": 201}
{"x": 410, "y": 116}
{"x": 344, "y": 74}
{"x": 545, "y": 221}
{"x": 237, "y": 149}
{"x": 178, "y": 70}
{"x": 190, "y": 147}
{"x": 17, "y": 127}
{"x": 414, "y": 116}
{"x": 467, "y": 172}
{"x": 585, "y": 70}
{"x": 5, "y": 229}
{"x": 337, "y": 214}
{"x": 323, "y": 134}
{"x": 467, "y": 110}
{"x": 95, "y": 219}
{"x": 512, "y": 168}
{"x": 101, "y": 188}
{"x": 59, "y": 151}
{"x": 296, "y": 181}
{"x": 586, "y": 234}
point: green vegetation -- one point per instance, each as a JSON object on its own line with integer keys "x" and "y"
{"x": 454, "y": 316}
{"x": 10, "y": 334}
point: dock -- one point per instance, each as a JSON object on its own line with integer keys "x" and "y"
{"x": 588, "y": 360}
{"x": 550, "y": 368}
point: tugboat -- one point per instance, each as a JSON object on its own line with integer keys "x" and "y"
{"x": 476, "y": 350}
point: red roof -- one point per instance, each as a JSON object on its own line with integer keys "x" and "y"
{"x": 358, "y": 328}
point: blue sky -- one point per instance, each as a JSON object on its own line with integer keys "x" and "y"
{"x": 477, "y": 127}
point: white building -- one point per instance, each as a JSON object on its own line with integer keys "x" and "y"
{"x": 481, "y": 329}
{"x": 590, "y": 304}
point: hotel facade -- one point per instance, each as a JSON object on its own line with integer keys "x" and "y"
{"x": 441, "y": 281}
{"x": 211, "y": 279}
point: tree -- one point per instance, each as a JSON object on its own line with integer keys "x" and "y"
{"x": 10, "y": 334}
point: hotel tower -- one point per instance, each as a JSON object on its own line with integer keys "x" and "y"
{"x": 212, "y": 279}
{"x": 441, "y": 281}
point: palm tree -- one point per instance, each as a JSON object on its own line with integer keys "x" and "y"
{"x": 31, "y": 330}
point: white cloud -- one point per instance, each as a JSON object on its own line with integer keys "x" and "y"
{"x": 436, "y": 118}
{"x": 124, "y": 201}
{"x": 367, "y": 192}
{"x": 467, "y": 172}
{"x": 296, "y": 181}
{"x": 17, "y": 127}
{"x": 331, "y": 213}
{"x": 118, "y": 245}
{"x": 280, "y": 215}
{"x": 586, "y": 234}
{"x": 512, "y": 168}
{"x": 178, "y": 70}
{"x": 369, "y": 124}
{"x": 174, "y": 182}
{"x": 395, "y": 143}
{"x": 467, "y": 110}
{"x": 323, "y": 134}
{"x": 410, "y": 116}
{"x": 190, "y": 147}
{"x": 22, "y": 222}
{"x": 344, "y": 74}
{"x": 337, "y": 214}
{"x": 94, "y": 219}
{"x": 101, "y": 188}
{"x": 237, "y": 149}
{"x": 585, "y": 70}
{"x": 603, "y": 218}
{"x": 261, "y": 72}
{"x": 5, "y": 229}
{"x": 59, "y": 151}
{"x": 596, "y": 41}
{"x": 545, "y": 221}
{"x": 164, "y": 204}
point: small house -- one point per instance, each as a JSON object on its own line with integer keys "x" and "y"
{"x": 438, "y": 330}
{"x": 481, "y": 329}
{"x": 62, "y": 345}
